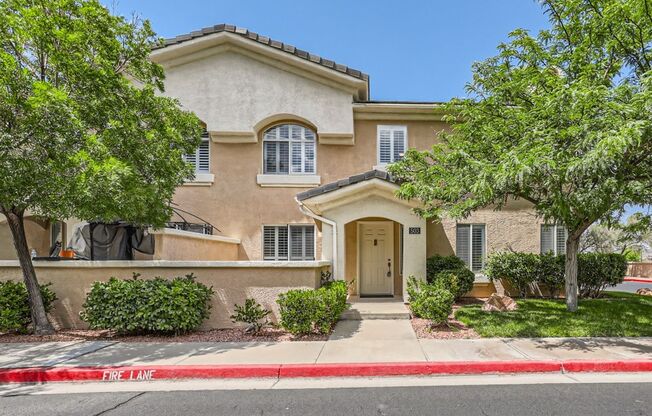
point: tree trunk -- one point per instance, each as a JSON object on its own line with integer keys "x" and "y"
{"x": 39, "y": 318}
{"x": 572, "y": 247}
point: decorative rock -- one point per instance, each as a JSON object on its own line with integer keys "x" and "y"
{"x": 499, "y": 303}
{"x": 645, "y": 291}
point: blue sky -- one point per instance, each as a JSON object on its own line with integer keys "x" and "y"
{"x": 412, "y": 50}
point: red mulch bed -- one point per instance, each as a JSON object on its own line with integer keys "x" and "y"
{"x": 214, "y": 335}
{"x": 453, "y": 330}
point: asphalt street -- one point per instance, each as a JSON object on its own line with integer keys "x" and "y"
{"x": 535, "y": 399}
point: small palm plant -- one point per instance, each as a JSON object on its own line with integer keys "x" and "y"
{"x": 251, "y": 313}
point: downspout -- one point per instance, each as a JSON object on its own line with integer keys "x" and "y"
{"x": 305, "y": 210}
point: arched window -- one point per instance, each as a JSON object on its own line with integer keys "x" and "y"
{"x": 289, "y": 149}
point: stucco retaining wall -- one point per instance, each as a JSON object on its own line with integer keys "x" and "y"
{"x": 639, "y": 269}
{"x": 232, "y": 282}
{"x": 173, "y": 244}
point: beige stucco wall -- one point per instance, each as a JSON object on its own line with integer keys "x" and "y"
{"x": 36, "y": 231}
{"x": 232, "y": 283}
{"x": 239, "y": 207}
{"x": 514, "y": 228}
{"x": 232, "y": 92}
{"x": 180, "y": 245}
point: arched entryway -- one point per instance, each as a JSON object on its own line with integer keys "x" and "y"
{"x": 373, "y": 260}
{"x": 370, "y": 198}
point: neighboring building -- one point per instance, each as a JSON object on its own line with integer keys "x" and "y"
{"x": 292, "y": 166}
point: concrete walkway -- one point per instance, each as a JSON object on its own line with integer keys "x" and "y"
{"x": 352, "y": 341}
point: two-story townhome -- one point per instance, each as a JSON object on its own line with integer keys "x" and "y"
{"x": 292, "y": 166}
{"x": 293, "y": 163}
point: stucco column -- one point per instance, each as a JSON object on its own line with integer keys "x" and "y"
{"x": 414, "y": 251}
{"x": 326, "y": 241}
{"x": 341, "y": 251}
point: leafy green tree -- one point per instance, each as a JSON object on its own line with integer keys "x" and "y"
{"x": 560, "y": 119}
{"x": 84, "y": 132}
{"x": 629, "y": 237}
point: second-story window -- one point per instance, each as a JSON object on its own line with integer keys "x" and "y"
{"x": 289, "y": 149}
{"x": 200, "y": 160}
{"x": 392, "y": 143}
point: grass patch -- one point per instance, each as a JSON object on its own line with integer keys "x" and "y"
{"x": 617, "y": 314}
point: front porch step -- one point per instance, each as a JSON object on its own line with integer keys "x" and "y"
{"x": 375, "y": 309}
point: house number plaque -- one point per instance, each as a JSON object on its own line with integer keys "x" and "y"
{"x": 414, "y": 230}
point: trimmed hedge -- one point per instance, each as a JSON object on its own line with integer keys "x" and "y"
{"x": 596, "y": 271}
{"x": 438, "y": 266}
{"x": 15, "y": 314}
{"x": 432, "y": 301}
{"x": 133, "y": 306}
{"x": 305, "y": 311}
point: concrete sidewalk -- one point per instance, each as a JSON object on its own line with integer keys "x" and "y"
{"x": 369, "y": 342}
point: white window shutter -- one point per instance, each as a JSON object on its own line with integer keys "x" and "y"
{"x": 561, "y": 239}
{"x": 296, "y": 242}
{"x": 289, "y": 149}
{"x": 309, "y": 161}
{"x": 269, "y": 243}
{"x": 203, "y": 157}
{"x": 271, "y": 160}
{"x": 398, "y": 145}
{"x": 297, "y": 157}
{"x": 477, "y": 247}
{"x": 385, "y": 146}
{"x": 463, "y": 243}
{"x": 547, "y": 239}
{"x": 282, "y": 241}
{"x": 309, "y": 242}
{"x": 200, "y": 160}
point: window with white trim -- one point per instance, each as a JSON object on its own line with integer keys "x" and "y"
{"x": 471, "y": 245}
{"x": 293, "y": 242}
{"x": 289, "y": 149}
{"x": 553, "y": 239}
{"x": 392, "y": 144}
{"x": 201, "y": 160}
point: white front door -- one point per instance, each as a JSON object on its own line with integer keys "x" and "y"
{"x": 376, "y": 258}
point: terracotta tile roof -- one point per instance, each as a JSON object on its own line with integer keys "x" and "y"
{"x": 333, "y": 186}
{"x": 265, "y": 41}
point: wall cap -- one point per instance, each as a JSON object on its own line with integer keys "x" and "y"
{"x": 189, "y": 234}
{"x": 107, "y": 264}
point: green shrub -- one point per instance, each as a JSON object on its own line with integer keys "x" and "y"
{"x": 596, "y": 271}
{"x": 462, "y": 284}
{"x": 15, "y": 315}
{"x": 438, "y": 267}
{"x": 549, "y": 272}
{"x": 251, "y": 313}
{"x": 147, "y": 306}
{"x": 436, "y": 264}
{"x": 431, "y": 301}
{"x": 304, "y": 311}
{"x": 518, "y": 269}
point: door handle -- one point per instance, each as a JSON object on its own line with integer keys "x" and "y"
{"x": 389, "y": 267}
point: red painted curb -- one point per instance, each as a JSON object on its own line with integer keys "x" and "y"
{"x": 626, "y": 366}
{"x": 147, "y": 373}
{"x": 419, "y": 368}
{"x": 638, "y": 280}
{"x": 136, "y": 373}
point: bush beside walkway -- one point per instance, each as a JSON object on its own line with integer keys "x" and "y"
{"x": 617, "y": 314}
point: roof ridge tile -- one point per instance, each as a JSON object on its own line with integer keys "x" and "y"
{"x": 265, "y": 40}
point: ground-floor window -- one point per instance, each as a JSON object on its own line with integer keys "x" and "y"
{"x": 470, "y": 245}
{"x": 293, "y": 242}
{"x": 553, "y": 239}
